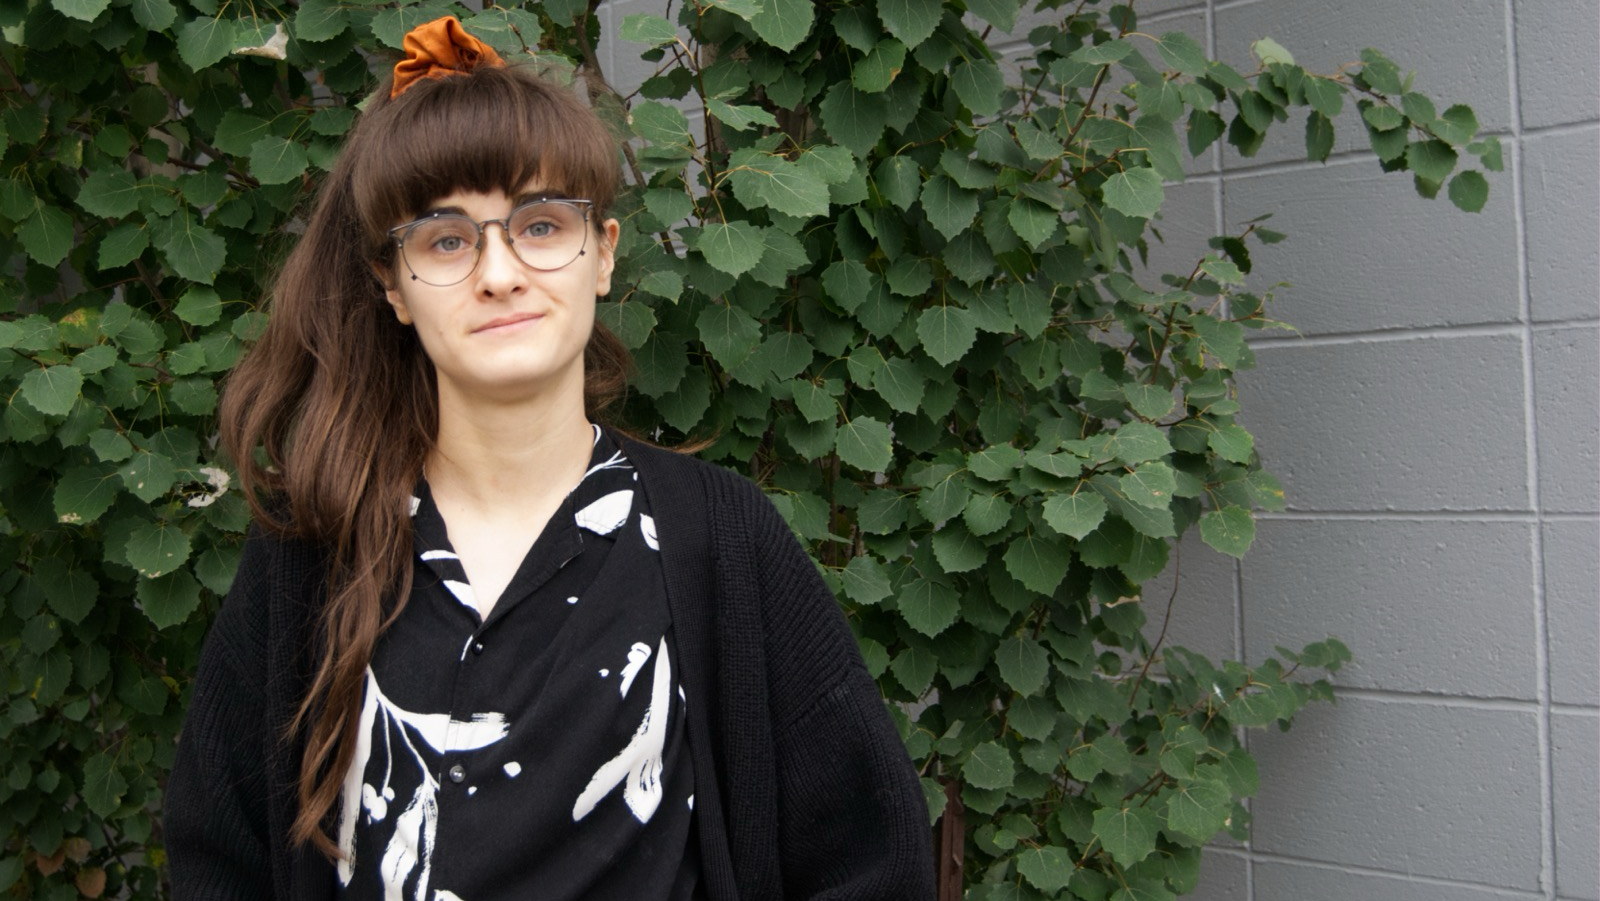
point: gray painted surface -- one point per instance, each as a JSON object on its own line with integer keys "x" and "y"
{"x": 1435, "y": 425}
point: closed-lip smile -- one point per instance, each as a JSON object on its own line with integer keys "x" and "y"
{"x": 511, "y": 319}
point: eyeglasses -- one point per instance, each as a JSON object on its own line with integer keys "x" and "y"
{"x": 442, "y": 249}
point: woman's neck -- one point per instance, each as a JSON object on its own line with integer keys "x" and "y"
{"x": 498, "y": 458}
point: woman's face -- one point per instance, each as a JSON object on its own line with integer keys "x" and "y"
{"x": 506, "y": 332}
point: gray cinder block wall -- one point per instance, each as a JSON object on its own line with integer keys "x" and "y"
{"x": 1435, "y": 423}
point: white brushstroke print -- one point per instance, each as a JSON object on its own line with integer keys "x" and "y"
{"x": 410, "y": 847}
{"x": 605, "y": 515}
{"x": 638, "y": 767}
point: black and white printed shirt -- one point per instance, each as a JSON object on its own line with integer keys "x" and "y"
{"x": 539, "y": 753}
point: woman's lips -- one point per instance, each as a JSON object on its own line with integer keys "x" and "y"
{"x": 505, "y": 321}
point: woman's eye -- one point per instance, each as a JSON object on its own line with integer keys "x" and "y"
{"x": 538, "y": 230}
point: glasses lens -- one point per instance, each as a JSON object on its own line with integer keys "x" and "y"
{"x": 441, "y": 250}
{"x": 548, "y": 234}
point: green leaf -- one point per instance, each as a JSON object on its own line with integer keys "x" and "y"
{"x": 276, "y": 161}
{"x": 995, "y": 464}
{"x": 1102, "y": 54}
{"x": 84, "y": 10}
{"x": 659, "y": 123}
{"x": 155, "y": 549}
{"x": 912, "y": 21}
{"x": 878, "y": 69}
{"x": 1469, "y": 191}
{"x": 321, "y": 20}
{"x": 1135, "y": 192}
{"x": 1039, "y": 562}
{"x": 784, "y": 23}
{"x": 855, "y": 119}
{"x": 1319, "y": 137}
{"x": 194, "y": 251}
{"x": 644, "y": 28}
{"x": 83, "y": 493}
{"x": 951, "y": 208}
{"x": 739, "y": 118}
{"x": 239, "y": 131}
{"x": 1230, "y": 530}
{"x": 46, "y": 235}
{"x": 986, "y": 513}
{"x": 169, "y": 600}
{"x": 915, "y": 668}
{"x": 979, "y": 85}
{"x": 1128, "y": 834}
{"x": 1150, "y": 485}
{"x": 1075, "y": 514}
{"x": 1033, "y": 222}
{"x": 1269, "y": 51}
{"x": 1456, "y": 125}
{"x": 899, "y": 178}
{"x": 1182, "y": 52}
{"x": 1199, "y": 809}
{"x": 70, "y": 589}
{"x": 154, "y": 15}
{"x": 52, "y": 390}
{"x": 1432, "y": 160}
{"x": 947, "y": 332}
{"x": 112, "y": 193}
{"x": 1149, "y": 401}
{"x": 1136, "y": 442}
{"x": 864, "y": 443}
{"x": 148, "y": 475}
{"x": 123, "y": 244}
{"x": 103, "y": 785}
{"x": 199, "y": 306}
{"x": 957, "y": 550}
{"x": 989, "y": 767}
{"x": 1324, "y": 95}
{"x": 728, "y": 332}
{"x": 899, "y": 383}
{"x": 1232, "y": 443}
{"x": 205, "y": 41}
{"x": 848, "y": 283}
{"x": 1048, "y": 868}
{"x": 864, "y": 581}
{"x": 792, "y": 189}
{"x": 1024, "y": 665}
{"x": 813, "y": 401}
{"x": 731, "y": 247}
{"x": 928, "y": 606}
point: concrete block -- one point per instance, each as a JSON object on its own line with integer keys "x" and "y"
{"x": 1575, "y": 752}
{"x": 1571, "y": 585}
{"x": 1188, "y": 220}
{"x": 1566, "y": 380}
{"x": 1203, "y": 608}
{"x": 1419, "y": 424}
{"x": 1223, "y": 877}
{"x": 1458, "y": 51}
{"x": 1281, "y": 880}
{"x": 1567, "y": 404}
{"x": 1410, "y": 788}
{"x": 1560, "y": 189}
{"x": 1558, "y": 61}
{"x": 1365, "y": 253}
{"x": 1437, "y": 607}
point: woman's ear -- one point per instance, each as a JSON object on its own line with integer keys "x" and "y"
{"x": 609, "y": 230}
{"x": 391, "y": 291}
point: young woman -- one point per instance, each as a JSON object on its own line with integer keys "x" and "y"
{"x": 478, "y": 646}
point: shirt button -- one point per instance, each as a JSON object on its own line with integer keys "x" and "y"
{"x": 458, "y": 774}
{"x": 477, "y": 647}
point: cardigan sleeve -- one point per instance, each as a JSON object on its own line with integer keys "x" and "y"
{"x": 852, "y": 822}
{"x": 215, "y": 817}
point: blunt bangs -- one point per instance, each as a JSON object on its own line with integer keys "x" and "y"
{"x": 493, "y": 128}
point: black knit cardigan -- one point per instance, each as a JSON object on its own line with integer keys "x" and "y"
{"x": 802, "y": 787}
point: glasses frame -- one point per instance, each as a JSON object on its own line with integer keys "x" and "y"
{"x": 400, "y": 232}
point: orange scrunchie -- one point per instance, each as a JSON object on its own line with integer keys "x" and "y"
{"x": 440, "y": 48}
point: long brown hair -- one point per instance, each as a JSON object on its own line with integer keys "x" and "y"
{"x": 338, "y": 398}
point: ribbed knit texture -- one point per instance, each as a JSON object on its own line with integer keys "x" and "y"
{"x": 803, "y": 789}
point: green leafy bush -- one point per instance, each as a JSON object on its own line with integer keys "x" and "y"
{"x": 903, "y": 292}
